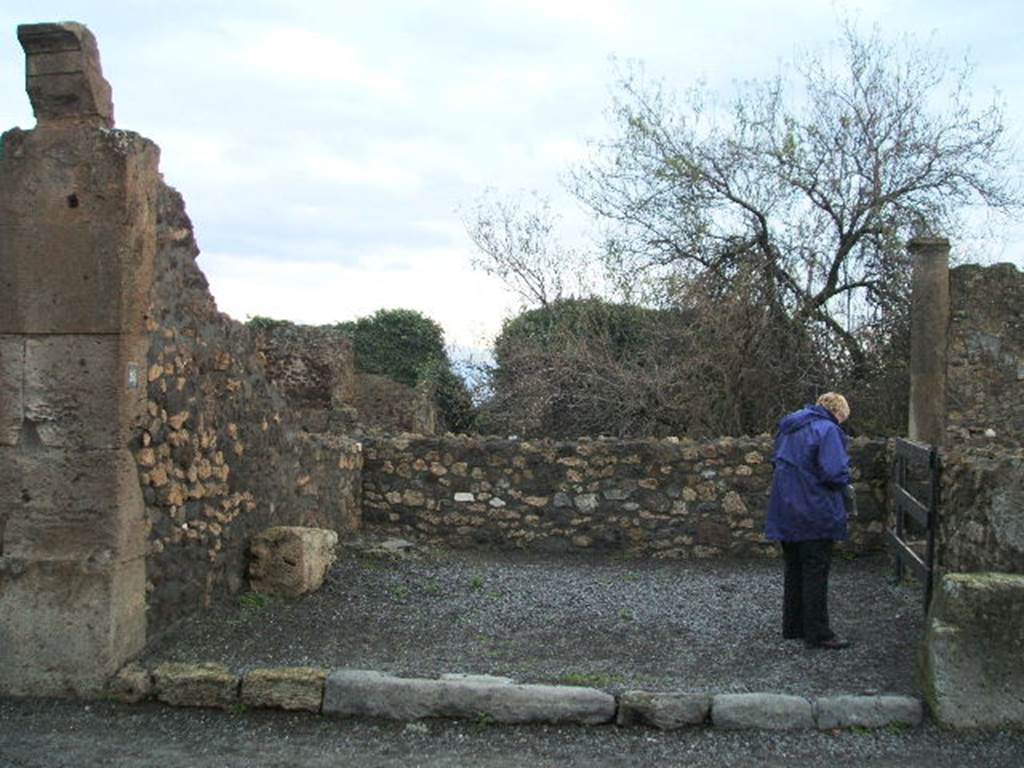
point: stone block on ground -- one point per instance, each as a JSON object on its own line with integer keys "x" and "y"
{"x": 666, "y": 710}
{"x": 373, "y": 694}
{"x": 196, "y": 685}
{"x": 132, "y": 683}
{"x": 290, "y": 561}
{"x": 867, "y": 711}
{"x": 973, "y": 672}
{"x": 768, "y": 711}
{"x": 296, "y": 688}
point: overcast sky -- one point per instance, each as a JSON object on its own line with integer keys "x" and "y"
{"x": 325, "y": 148}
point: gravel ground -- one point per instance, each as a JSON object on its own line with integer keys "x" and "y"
{"x": 612, "y": 623}
{"x": 37, "y": 734}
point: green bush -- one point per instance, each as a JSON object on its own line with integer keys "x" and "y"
{"x": 407, "y": 346}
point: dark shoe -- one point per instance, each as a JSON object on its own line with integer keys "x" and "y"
{"x": 792, "y": 637}
{"x": 832, "y": 644}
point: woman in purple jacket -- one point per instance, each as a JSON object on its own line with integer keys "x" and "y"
{"x": 807, "y": 514}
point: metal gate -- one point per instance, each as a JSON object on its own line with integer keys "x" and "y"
{"x": 916, "y": 476}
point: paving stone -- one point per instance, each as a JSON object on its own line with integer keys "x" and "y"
{"x": 665, "y": 710}
{"x": 132, "y": 684}
{"x": 867, "y": 711}
{"x": 295, "y": 688}
{"x": 196, "y": 685}
{"x": 770, "y": 711}
{"x": 369, "y": 693}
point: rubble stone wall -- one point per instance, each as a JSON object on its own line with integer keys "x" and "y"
{"x": 981, "y": 520}
{"x": 220, "y": 456}
{"x": 985, "y": 368}
{"x": 663, "y": 498}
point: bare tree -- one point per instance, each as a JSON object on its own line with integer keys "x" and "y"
{"x": 517, "y": 244}
{"x": 809, "y": 184}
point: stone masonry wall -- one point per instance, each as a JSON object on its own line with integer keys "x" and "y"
{"x": 314, "y": 368}
{"x": 985, "y": 369}
{"x": 981, "y": 521}
{"x": 664, "y": 498}
{"x": 385, "y": 406}
{"x": 219, "y": 457}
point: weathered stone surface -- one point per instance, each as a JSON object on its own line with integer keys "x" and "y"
{"x": 867, "y": 711}
{"x": 769, "y": 711}
{"x": 196, "y": 685}
{"x": 366, "y": 693}
{"x": 12, "y": 401}
{"x": 78, "y": 243}
{"x": 64, "y": 77}
{"x": 291, "y": 560}
{"x": 298, "y": 688}
{"x": 665, "y": 710}
{"x": 928, "y": 346}
{"x": 388, "y": 405}
{"x": 71, "y": 505}
{"x": 66, "y": 626}
{"x": 981, "y": 528}
{"x": 132, "y": 683}
{"x": 973, "y": 671}
{"x": 986, "y": 355}
{"x": 76, "y": 389}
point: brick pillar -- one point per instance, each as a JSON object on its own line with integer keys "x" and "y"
{"x": 77, "y": 246}
{"x": 929, "y": 323}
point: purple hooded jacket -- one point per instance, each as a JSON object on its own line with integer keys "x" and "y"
{"x": 812, "y": 468}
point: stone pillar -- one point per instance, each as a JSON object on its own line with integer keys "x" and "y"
{"x": 929, "y": 327}
{"x": 77, "y": 247}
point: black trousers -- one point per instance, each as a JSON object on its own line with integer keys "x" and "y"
{"x": 805, "y": 591}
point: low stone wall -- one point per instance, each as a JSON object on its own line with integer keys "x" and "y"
{"x": 981, "y": 520}
{"x": 664, "y": 498}
{"x": 219, "y": 455}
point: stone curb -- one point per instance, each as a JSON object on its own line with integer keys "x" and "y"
{"x": 368, "y": 693}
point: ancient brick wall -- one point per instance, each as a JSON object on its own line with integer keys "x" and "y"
{"x": 664, "y": 498}
{"x": 985, "y": 368}
{"x": 220, "y": 455}
{"x": 981, "y": 520}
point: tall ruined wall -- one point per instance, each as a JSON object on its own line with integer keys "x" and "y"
{"x": 77, "y": 241}
{"x": 220, "y": 456}
{"x": 981, "y": 520}
{"x": 664, "y": 498}
{"x": 985, "y": 369}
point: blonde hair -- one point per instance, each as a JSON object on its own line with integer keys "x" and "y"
{"x": 836, "y": 403}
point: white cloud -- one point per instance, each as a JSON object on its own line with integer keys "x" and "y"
{"x": 469, "y": 306}
{"x": 324, "y": 148}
